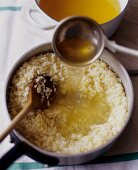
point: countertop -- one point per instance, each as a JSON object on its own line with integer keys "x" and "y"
{"x": 127, "y": 35}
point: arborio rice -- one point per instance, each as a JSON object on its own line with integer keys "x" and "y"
{"x": 61, "y": 128}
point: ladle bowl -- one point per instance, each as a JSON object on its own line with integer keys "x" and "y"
{"x": 85, "y": 28}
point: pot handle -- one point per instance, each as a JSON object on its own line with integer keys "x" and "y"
{"x": 14, "y": 153}
{"x": 27, "y": 14}
{"x": 20, "y": 149}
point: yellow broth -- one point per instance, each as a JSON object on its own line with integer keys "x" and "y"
{"x": 100, "y": 10}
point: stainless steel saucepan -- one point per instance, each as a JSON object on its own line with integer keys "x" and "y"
{"x": 34, "y": 16}
{"x": 23, "y": 146}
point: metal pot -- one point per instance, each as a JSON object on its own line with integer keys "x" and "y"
{"x": 23, "y": 146}
{"x": 32, "y": 13}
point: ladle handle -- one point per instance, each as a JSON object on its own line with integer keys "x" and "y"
{"x": 15, "y": 121}
{"x": 113, "y": 46}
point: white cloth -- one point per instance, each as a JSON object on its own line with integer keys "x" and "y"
{"x": 15, "y": 39}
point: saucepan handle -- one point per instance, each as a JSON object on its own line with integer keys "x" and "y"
{"x": 21, "y": 149}
{"x": 14, "y": 153}
{"x": 30, "y": 15}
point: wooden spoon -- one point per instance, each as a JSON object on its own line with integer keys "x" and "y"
{"x": 41, "y": 92}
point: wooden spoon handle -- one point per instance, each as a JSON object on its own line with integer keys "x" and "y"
{"x": 15, "y": 121}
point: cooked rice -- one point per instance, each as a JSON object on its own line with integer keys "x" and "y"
{"x": 43, "y": 127}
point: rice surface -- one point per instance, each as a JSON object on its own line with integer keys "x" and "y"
{"x": 99, "y": 112}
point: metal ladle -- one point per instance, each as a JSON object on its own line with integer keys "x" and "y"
{"x": 85, "y": 29}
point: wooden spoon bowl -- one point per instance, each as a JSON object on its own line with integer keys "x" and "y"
{"x": 41, "y": 92}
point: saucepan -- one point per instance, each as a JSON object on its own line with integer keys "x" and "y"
{"x": 25, "y": 147}
{"x": 32, "y": 14}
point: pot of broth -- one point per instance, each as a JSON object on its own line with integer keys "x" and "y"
{"x": 105, "y": 12}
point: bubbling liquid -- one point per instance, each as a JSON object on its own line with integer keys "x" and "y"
{"x": 81, "y": 113}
